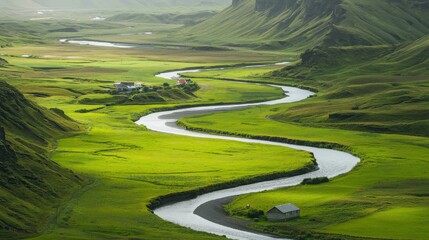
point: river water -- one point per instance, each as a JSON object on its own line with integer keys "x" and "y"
{"x": 331, "y": 162}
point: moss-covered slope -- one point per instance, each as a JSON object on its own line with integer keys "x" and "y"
{"x": 304, "y": 23}
{"x": 31, "y": 186}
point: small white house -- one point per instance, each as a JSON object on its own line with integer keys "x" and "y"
{"x": 283, "y": 213}
{"x": 127, "y": 87}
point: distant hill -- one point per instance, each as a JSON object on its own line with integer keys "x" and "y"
{"x": 303, "y": 23}
{"x": 169, "y": 18}
{"x": 31, "y": 186}
{"x": 106, "y": 4}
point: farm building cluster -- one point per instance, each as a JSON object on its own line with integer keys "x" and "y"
{"x": 133, "y": 87}
{"x": 127, "y": 87}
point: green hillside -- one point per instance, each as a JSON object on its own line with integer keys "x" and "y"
{"x": 377, "y": 89}
{"x": 302, "y": 23}
{"x": 31, "y": 185}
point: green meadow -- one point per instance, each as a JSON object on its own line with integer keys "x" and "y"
{"x": 127, "y": 165}
{"x": 391, "y": 178}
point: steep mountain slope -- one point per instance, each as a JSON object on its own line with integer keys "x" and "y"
{"x": 302, "y": 23}
{"x": 106, "y": 4}
{"x": 31, "y": 185}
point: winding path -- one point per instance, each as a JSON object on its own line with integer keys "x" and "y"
{"x": 187, "y": 213}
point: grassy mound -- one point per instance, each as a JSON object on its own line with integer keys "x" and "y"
{"x": 377, "y": 89}
{"x": 31, "y": 186}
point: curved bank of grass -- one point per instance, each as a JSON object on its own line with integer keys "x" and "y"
{"x": 391, "y": 179}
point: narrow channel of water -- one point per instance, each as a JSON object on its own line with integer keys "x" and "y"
{"x": 331, "y": 163}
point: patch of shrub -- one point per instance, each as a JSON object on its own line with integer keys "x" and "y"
{"x": 315, "y": 181}
{"x": 3, "y": 62}
{"x": 254, "y": 213}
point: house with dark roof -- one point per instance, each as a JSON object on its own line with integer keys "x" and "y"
{"x": 283, "y": 213}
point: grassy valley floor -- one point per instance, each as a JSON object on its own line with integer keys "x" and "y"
{"x": 392, "y": 179}
{"x": 128, "y": 164}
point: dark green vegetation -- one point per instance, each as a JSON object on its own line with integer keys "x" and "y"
{"x": 31, "y": 185}
{"x": 314, "y": 181}
{"x": 299, "y": 24}
{"x": 3, "y": 63}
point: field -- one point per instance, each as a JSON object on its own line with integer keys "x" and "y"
{"x": 128, "y": 165}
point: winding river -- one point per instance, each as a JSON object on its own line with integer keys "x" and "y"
{"x": 331, "y": 164}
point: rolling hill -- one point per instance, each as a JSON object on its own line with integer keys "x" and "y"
{"x": 168, "y": 18}
{"x": 373, "y": 89}
{"x": 31, "y": 186}
{"x": 303, "y": 23}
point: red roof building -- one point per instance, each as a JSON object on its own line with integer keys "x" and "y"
{"x": 181, "y": 82}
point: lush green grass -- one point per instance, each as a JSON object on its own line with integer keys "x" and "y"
{"x": 128, "y": 164}
{"x": 370, "y": 226}
{"x": 392, "y": 175}
{"x": 132, "y": 165}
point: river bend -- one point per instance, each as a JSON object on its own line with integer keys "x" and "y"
{"x": 331, "y": 163}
